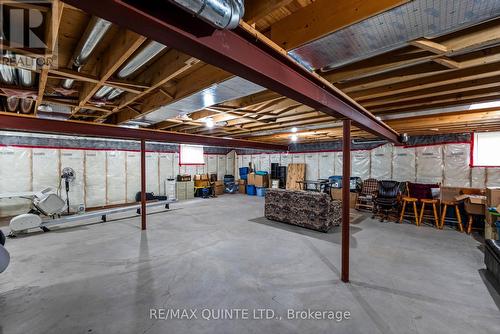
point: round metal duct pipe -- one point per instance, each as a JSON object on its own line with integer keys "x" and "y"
{"x": 12, "y": 103}
{"x": 94, "y": 33}
{"x": 222, "y": 14}
{"x": 25, "y": 105}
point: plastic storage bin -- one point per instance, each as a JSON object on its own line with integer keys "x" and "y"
{"x": 261, "y": 192}
{"x": 251, "y": 190}
{"x": 244, "y": 172}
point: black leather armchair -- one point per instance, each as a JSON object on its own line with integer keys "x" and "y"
{"x": 386, "y": 199}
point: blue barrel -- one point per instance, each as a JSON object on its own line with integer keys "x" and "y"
{"x": 251, "y": 190}
{"x": 261, "y": 191}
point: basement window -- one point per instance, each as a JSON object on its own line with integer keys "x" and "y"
{"x": 191, "y": 155}
{"x": 485, "y": 149}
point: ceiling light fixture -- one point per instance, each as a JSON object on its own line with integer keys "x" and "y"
{"x": 294, "y": 129}
{"x": 294, "y": 138}
{"x": 209, "y": 123}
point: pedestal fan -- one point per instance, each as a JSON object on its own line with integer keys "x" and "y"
{"x": 68, "y": 175}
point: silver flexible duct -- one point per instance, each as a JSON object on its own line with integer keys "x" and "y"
{"x": 222, "y": 14}
{"x": 94, "y": 33}
{"x": 7, "y": 73}
{"x": 150, "y": 51}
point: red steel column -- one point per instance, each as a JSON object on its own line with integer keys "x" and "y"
{"x": 346, "y": 176}
{"x": 143, "y": 184}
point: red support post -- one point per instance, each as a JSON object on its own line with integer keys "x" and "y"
{"x": 143, "y": 184}
{"x": 346, "y": 176}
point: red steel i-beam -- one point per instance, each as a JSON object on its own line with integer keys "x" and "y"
{"x": 236, "y": 51}
{"x": 143, "y": 184}
{"x": 346, "y": 185}
{"x": 9, "y": 121}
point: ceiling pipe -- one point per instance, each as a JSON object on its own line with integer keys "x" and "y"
{"x": 222, "y": 14}
{"x": 94, "y": 33}
{"x": 150, "y": 51}
{"x": 7, "y": 73}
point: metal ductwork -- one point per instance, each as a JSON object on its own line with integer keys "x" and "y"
{"x": 103, "y": 91}
{"x": 94, "y": 33}
{"x": 12, "y": 103}
{"x": 25, "y": 105}
{"x": 150, "y": 51}
{"x": 222, "y": 14}
{"x": 7, "y": 73}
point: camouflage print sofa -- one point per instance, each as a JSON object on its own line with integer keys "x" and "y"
{"x": 308, "y": 209}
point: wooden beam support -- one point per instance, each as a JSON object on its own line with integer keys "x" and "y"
{"x": 428, "y": 45}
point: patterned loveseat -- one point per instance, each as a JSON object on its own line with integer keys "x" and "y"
{"x": 308, "y": 209}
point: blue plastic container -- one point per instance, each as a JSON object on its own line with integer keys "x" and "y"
{"x": 244, "y": 171}
{"x": 261, "y": 173}
{"x": 251, "y": 190}
{"x": 261, "y": 191}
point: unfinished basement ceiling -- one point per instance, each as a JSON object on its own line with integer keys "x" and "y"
{"x": 227, "y": 90}
{"x": 393, "y": 29}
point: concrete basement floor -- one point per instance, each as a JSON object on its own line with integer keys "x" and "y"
{"x": 220, "y": 253}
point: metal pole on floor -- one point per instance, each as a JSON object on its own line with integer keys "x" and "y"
{"x": 346, "y": 176}
{"x": 143, "y": 184}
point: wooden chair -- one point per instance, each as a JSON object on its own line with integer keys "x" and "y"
{"x": 408, "y": 199}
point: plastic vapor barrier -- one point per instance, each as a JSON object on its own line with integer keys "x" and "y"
{"x": 247, "y": 159}
{"x": 133, "y": 160}
{"x": 176, "y": 164}
{"x": 478, "y": 177}
{"x": 230, "y": 162}
{"x": 256, "y": 161}
{"x": 381, "y": 162}
{"x": 326, "y": 164}
{"x": 45, "y": 169}
{"x": 265, "y": 164}
{"x": 360, "y": 164}
{"x": 95, "y": 178}
{"x": 212, "y": 164}
{"x": 456, "y": 165}
{"x": 429, "y": 164}
{"x": 403, "y": 164}
{"x": 152, "y": 175}
{"x": 298, "y": 158}
{"x": 116, "y": 177}
{"x": 274, "y": 159}
{"x": 166, "y": 169}
{"x": 338, "y": 163}
{"x": 221, "y": 167}
{"x": 15, "y": 168}
{"x": 312, "y": 166}
{"x": 239, "y": 165}
{"x": 493, "y": 177}
{"x": 285, "y": 158}
{"x": 74, "y": 159}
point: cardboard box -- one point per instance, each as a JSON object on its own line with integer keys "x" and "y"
{"x": 201, "y": 183}
{"x": 219, "y": 189}
{"x": 493, "y": 197}
{"x": 337, "y": 194}
{"x": 219, "y": 183}
{"x": 449, "y": 193}
{"x": 261, "y": 181}
{"x": 490, "y": 231}
{"x": 201, "y": 177}
{"x": 242, "y": 187}
{"x": 251, "y": 179}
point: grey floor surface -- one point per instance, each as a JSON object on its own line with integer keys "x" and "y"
{"x": 221, "y": 254}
